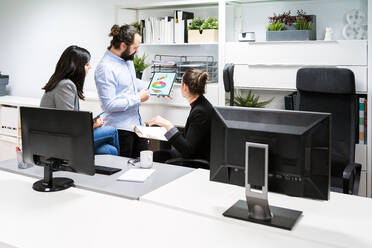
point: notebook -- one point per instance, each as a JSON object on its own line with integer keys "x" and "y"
{"x": 136, "y": 175}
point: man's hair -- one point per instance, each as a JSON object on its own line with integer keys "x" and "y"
{"x": 121, "y": 34}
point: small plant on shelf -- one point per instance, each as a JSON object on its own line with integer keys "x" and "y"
{"x": 303, "y": 22}
{"x": 250, "y": 101}
{"x": 284, "y": 18}
{"x": 296, "y": 27}
{"x": 210, "y": 23}
{"x": 203, "y": 31}
{"x": 276, "y": 26}
{"x": 137, "y": 25}
{"x": 140, "y": 65}
{"x": 196, "y": 24}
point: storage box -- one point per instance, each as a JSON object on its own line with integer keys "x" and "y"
{"x": 205, "y": 36}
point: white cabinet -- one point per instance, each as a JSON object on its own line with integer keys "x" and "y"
{"x": 9, "y": 116}
{"x": 273, "y": 65}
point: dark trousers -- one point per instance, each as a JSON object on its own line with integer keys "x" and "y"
{"x": 163, "y": 155}
{"x": 131, "y": 145}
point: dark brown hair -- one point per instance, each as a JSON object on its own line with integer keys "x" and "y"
{"x": 196, "y": 80}
{"x": 71, "y": 65}
{"x": 121, "y": 34}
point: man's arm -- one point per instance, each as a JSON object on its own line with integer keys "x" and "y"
{"x": 106, "y": 87}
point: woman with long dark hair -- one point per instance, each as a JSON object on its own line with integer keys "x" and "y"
{"x": 65, "y": 88}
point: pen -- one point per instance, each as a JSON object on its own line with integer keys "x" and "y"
{"x": 99, "y": 115}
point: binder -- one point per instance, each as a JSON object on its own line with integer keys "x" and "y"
{"x": 361, "y": 120}
{"x": 180, "y": 25}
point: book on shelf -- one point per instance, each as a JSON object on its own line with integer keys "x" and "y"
{"x": 158, "y": 30}
{"x": 365, "y": 120}
{"x": 156, "y": 133}
{"x": 180, "y": 25}
{"x": 362, "y": 121}
{"x": 167, "y": 29}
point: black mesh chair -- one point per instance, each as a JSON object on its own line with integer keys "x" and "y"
{"x": 228, "y": 81}
{"x": 332, "y": 90}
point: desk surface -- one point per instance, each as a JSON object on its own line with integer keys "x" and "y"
{"x": 108, "y": 184}
{"x": 342, "y": 221}
{"x": 81, "y": 218}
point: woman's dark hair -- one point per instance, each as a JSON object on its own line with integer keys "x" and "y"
{"x": 71, "y": 65}
{"x": 196, "y": 80}
{"x": 121, "y": 34}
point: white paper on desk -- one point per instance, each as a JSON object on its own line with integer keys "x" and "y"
{"x": 150, "y": 132}
{"x": 136, "y": 175}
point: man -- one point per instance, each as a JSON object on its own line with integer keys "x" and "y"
{"x": 121, "y": 94}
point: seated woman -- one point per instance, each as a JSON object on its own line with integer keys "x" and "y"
{"x": 194, "y": 141}
{"x": 65, "y": 88}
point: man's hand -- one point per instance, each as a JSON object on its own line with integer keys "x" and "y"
{"x": 98, "y": 122}
{"x": 144, "y": 95}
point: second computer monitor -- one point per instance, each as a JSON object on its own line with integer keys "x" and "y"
{"x": 299, "y": 148}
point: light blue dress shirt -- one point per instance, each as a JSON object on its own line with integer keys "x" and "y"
{"x": 118, "y": 89}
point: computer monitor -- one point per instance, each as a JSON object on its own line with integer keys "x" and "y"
{"x": 58, "y": 140}
{"x": 294, "y": 145}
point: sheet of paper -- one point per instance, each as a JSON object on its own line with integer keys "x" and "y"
{"x": 151, "y": 132}
{"x": 136, "y": 175}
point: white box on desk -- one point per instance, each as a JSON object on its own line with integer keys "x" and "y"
{"x": 9, "y": 119}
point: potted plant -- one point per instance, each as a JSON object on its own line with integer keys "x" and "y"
{"x": 140, "y": 65}
{"x": 285, "y": 27}
{"x": 250, "y": 101}
{"x": 203, "y": 31}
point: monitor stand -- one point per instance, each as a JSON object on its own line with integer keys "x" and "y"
{"x": 256, "y": 207}
{"x": 50, "y": 183}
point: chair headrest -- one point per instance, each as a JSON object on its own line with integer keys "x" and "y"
{"x": 326, "y": 80}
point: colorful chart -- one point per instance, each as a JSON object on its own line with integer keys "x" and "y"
{"x": 162, "y": 83}
{"x": 158, "y": 85}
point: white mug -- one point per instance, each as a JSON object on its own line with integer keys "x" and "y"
{"x": 146, "y": 159}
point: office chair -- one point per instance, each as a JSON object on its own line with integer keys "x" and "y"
{"x": 228, "y": 81}
{"x": 332, "y": 90}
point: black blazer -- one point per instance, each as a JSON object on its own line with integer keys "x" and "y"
{"x": 194, "y": 141}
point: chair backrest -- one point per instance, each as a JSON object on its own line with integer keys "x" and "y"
{"x": 332, "y": 90}
{"x": 228, "y": 81}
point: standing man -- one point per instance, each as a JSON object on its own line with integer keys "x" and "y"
{"x": 121, "y": 94}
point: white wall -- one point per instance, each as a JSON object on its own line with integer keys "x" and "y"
{"x": 33, "y": 34}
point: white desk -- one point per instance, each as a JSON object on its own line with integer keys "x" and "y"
{"x": 344, "y": 221}
{"x": 164, "y": 173}
{"x": 81, "y": 218}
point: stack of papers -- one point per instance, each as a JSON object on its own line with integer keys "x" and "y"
{"x": 156, "y": 133}
{"x": 136, "y": 175}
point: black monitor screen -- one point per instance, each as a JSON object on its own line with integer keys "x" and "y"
{"x": 299, "y": 149}
{"x": 58, "y": 134}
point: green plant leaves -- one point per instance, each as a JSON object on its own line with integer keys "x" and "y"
{"x": 199, "y": 24}
{"x": 303, "y": 25}
{"x": 276, "y": 26}
{"x": 195, "y": 24}
{"x": 250, "y": 101}
{"x": 139, "y": 63}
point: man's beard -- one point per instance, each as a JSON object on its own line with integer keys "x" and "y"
{"x": 126, "y": 56}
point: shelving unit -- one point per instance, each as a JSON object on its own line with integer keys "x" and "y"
{"x": 10, "y": 125}
{"x": 265, "y": 66}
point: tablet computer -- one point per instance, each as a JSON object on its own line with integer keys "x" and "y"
{"x": 162, "y": 83}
